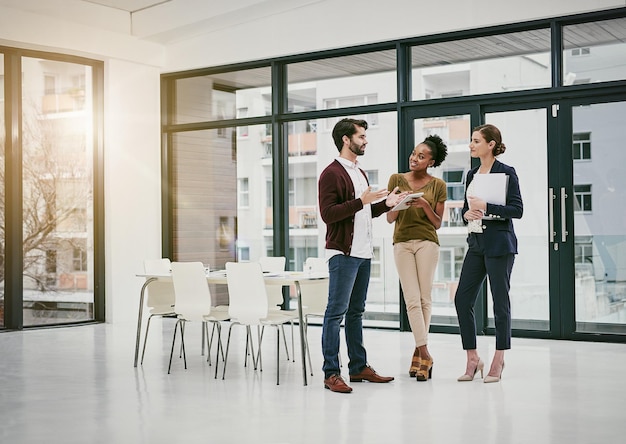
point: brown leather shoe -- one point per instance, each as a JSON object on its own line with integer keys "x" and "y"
{"x": 335, "y": 383}
{"x": 369, "y": 374}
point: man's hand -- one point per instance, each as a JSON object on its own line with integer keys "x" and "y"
{"x": 394, "y": 199}
{"x": 370, "y": 196}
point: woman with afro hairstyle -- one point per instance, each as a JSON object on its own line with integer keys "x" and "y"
{"x": 416, "y": 244}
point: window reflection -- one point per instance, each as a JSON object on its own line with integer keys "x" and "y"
{"x": 57, "y": 192}
{"x": 599, "y": 216}
{"x": 594, "y": 52}
{"x": 504, "y": 62}
{"x": 340, "y": 82}
{"x": 222, "y": 196}
{"x": 455, "y": 131}
{"x": 306, "y": 229}
{"x": 221, "y": 96}
{"x": 530, "y": 300}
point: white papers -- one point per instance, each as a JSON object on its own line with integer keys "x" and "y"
{"x": 491, "y": 187}
{"x": 405, "y": 203}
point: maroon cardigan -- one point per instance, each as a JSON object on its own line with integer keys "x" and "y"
{"x": 338, "y": 205}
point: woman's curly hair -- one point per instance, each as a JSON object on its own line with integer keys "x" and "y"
{"x": 438, "y": 149}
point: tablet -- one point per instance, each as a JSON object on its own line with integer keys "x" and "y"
{"x": 405, "y": 203}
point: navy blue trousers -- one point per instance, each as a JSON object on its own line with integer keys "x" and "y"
{"x": 477, "y": 267}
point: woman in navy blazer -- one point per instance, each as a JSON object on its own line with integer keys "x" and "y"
{"x": 492, "y": 249}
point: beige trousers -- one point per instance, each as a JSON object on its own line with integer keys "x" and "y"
{"x": 416, "y": 262}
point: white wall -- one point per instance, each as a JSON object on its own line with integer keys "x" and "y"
{"x": 132, "y": 181}
{"x": 132, "y": 159}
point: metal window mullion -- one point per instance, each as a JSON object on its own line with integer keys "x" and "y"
{"x": 13, "y": 235}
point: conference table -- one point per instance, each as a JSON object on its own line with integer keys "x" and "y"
{"x": 287, "y": 278}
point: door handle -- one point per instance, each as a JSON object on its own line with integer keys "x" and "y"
{"x": 551, "y": 199}
{"x": 563, "y": 222}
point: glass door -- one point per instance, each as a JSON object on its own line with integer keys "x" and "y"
{"x": 569, "y": 277}
{"x": 569, "y": 159}
{"x": 595, "y": 216}
{"x": 525, "y": 134}
{"x": 454, "y": 127}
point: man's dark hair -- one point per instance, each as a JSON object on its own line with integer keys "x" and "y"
{"x": 346, "y": 127}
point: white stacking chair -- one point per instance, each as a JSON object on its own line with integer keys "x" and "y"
{"x": 314, "y": 297}
{"x": 315, "y": 294}
{"x": 273, "y": 264}
{"x": 161, "y": 298}
{"x": 248, "y": 306}
{"x": 275, "y": 299}
{"x": 193, "y": 303}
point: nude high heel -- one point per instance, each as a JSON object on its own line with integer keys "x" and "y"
{"x": 489, "y": 379}
{"x": 480, "y": 365}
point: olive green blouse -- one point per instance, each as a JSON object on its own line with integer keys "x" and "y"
{"x": 412, "y": 223}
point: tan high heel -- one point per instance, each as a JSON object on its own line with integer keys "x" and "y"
{"x": 415, "y": 363}
{"x": 426, "y": 369}
{"x": 480, "y": 365}
{"x": 489, "y": 379}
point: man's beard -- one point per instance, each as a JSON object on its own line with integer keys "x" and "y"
{"x": 358, "y": 150}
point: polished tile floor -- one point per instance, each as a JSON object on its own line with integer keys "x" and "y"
{"x": 78, "y": 385}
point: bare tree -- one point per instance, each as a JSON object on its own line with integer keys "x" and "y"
{"x": 56, "y": 189}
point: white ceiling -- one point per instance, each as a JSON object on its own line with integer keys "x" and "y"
{"x": 129, "y": 5}
{"x": 161, "y": 21}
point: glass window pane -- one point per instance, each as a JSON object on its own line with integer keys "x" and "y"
{"x": 57, "y": 192}
{"x": 204, "y": 204}
{"x": 208, "y": 186}
{"x": 338, "y": 82}
{"x": 529, "y": 294}
{"x": 303, "y": 149}
{"x": 310, "y": 152}
{"x": 204, "y": 221}
{"x": 244, "y": 193}
{"x": 505, "y": 62}
{"x": 594, "y": 52}
{"x": 244, "y": 93}
{"x": 455, "y": 131}
{"x": 600, "y": 269}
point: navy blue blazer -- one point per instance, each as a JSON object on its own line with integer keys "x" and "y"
{"x": 498, "y": 233}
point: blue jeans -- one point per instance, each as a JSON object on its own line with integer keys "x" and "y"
{"x": 349, "y": 278}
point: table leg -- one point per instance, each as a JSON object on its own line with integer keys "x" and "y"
{"x": 302, "y": 332}
{"x": 140, "y": 316}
